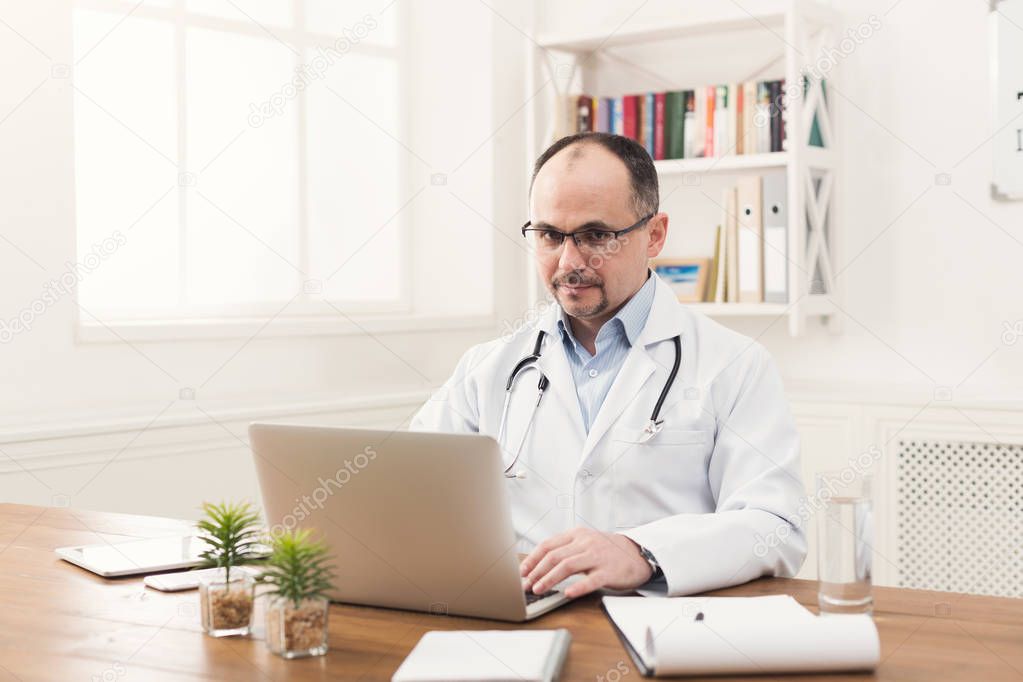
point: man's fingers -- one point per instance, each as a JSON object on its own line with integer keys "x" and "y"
{"x": 549, "y": 561}
{"x": 583, "y": 586}
{"x": 576, "y": 563}
{"x": 534, "y": 557}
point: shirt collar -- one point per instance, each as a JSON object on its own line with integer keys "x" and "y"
{"x": 630, "y": 318}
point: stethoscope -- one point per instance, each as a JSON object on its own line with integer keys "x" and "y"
{"x": 652, "y": 428}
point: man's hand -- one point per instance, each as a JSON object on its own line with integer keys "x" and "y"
{"x": 608, "y": 559}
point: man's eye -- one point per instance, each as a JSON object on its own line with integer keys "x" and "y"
{"x": 549, "y": 237}
{"x": 599, "y": 237}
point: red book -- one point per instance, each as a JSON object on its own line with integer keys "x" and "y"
{"x": 629, "y": 118}
{"x": 658, "y": 126}
{"x": 708, "y": 145}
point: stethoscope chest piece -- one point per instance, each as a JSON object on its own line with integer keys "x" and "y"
{"x": 651, "y": 429}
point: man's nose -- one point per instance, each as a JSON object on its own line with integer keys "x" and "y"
{"x": 572, "y": 258}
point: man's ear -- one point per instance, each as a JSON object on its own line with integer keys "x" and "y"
{"x": 658, "y": 232}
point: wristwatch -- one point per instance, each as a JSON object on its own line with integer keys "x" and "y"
{"x": 654, "y": 566}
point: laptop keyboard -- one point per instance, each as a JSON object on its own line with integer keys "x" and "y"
{"x": 532, "y": 598}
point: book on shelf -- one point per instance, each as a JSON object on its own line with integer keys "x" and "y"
{"x": 659, "y": 103}
{"x": 706, "y": 121}
{"x": 714, "y": 285}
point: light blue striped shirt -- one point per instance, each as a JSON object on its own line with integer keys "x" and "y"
{"x": 594, "y": 374}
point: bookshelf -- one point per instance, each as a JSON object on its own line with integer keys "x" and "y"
{"x": 798, "y": 29}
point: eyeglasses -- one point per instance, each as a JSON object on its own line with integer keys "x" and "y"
{"x": 590, "y": 241}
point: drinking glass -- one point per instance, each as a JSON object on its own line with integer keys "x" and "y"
{"x": 845, "y": 531}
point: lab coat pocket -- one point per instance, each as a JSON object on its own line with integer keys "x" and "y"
{"x": 634, "y": 435}
{"x": 664, "y": 476}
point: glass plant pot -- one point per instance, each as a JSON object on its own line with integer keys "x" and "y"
{"x": 227, "y": 606}
{"x": 296, "y": 632}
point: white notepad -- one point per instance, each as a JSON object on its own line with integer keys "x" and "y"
{"x": 486, "y": 655}
{"x": 740, "y": 635}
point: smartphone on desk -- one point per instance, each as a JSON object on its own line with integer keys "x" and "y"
{"x": 185, "y": 580}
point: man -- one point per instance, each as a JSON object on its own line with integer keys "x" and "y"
{"x": 693, "y": 489}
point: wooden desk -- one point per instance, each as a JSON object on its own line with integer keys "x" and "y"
{"x": 59, "y": 622}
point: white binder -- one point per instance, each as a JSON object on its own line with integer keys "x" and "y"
{"x": 776, "y": 242}
{"x": 751, "y": 240}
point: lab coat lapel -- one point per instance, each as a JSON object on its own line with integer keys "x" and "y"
{"x": 663, "y": 322}
{"x": 632, "y": 377}
{"x": 554, "y": 364}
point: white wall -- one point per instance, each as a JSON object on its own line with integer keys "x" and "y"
{"x": 54, "y": 387}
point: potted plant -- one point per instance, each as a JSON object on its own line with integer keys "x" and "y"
{"x": 226, "y": 597}
{"x": 297, "y": 604}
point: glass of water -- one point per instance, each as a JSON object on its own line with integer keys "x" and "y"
{"x": 845, "y": 542}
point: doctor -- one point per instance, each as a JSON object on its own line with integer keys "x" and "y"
{"x": 619, "y": 471}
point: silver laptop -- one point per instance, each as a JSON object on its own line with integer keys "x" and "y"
{"x": 414, "y": 520}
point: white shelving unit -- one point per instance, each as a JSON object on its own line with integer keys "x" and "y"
{"x": 801, "y": 27}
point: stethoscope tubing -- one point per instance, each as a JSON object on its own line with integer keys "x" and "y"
{"x": 652, "y": 427}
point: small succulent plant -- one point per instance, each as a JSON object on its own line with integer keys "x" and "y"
{"x": 297, "y": 567}
{"x": 232, "y": 531}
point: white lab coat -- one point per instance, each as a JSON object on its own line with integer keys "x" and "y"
{"x": 715, "y": 496}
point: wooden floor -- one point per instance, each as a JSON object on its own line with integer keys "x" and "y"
{"x": 59, "y": 622}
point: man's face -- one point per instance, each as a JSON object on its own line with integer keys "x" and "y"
{"x": 585, "y": 186}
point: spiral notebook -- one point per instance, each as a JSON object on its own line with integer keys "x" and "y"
{"x": 486, "y": 655}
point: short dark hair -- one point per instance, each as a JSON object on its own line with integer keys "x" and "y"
{"x": 642, "y": 173}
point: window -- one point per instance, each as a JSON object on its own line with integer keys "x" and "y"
{"x": 234, "y": 156}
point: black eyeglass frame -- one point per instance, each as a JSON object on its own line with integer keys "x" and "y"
{"x": 575, "y": 235}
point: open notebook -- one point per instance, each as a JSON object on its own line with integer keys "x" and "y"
{"x": 739, "y": 635}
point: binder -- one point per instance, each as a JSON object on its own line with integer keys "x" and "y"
{"x": 776, "y": 243}
{"x": 731, "y": 246}
{"x": 751, "y": 239}
{"x": 721, "y": 258}
{"x": 712, "y": 275}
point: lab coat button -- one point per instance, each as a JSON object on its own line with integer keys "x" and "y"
{"x": 593, "y": 373}
{"x": 585, "y": 474}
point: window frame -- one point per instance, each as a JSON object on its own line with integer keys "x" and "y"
{"x": 304, "y": 313}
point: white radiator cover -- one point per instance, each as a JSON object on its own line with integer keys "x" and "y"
{"x": 959, "y": 516}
